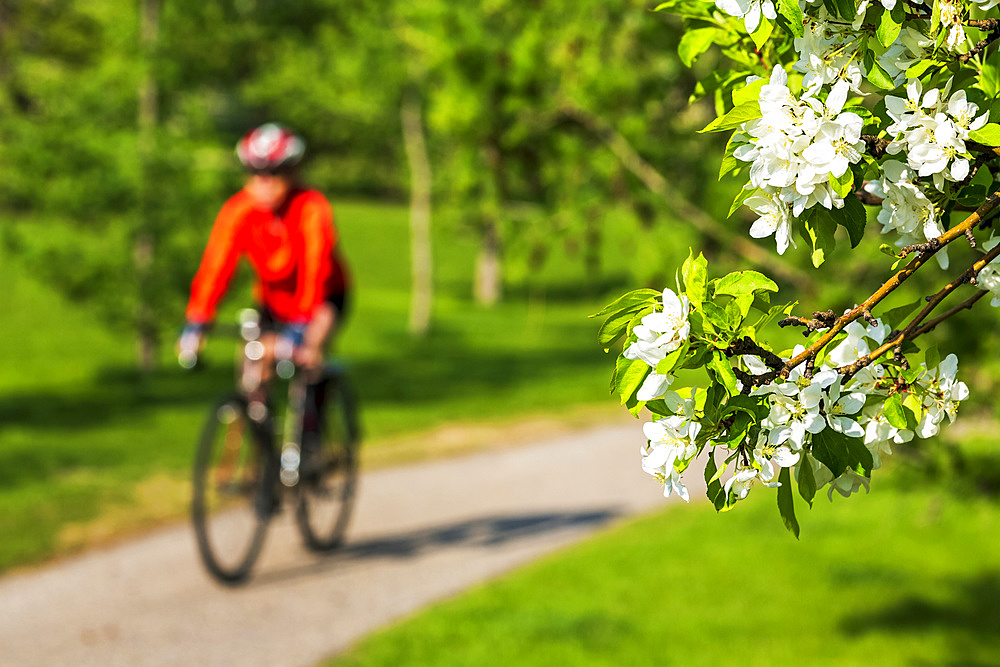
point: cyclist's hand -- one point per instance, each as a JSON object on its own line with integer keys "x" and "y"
{"x": 309, "y": 357}
{"x": 189, "y": 344}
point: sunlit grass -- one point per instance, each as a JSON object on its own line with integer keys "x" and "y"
{"x": 898, "y": 577}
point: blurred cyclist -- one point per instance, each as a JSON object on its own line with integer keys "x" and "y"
{"x": 287, "y": 233}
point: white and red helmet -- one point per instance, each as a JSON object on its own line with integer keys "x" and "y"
{"x": 270, "y": 148}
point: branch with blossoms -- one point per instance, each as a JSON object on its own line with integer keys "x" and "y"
{"x": 833, "y": 108}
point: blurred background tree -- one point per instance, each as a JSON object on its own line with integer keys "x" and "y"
{"x": 117, "y": 138}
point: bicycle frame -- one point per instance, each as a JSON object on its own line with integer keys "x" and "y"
{"x": 253, "y": 381}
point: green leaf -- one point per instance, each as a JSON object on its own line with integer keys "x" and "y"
{"x": 847, "y": 9}
{"x": 818, "y": 230}
{"x": 790, "y": 10}
{"x": 695, "y": 42}
{"x": 730, "y": 163}
{"x": 694, "y": 272}
{"x": 617, "y": 324}
{"x": 669, "y": 362}
{"x": 876, "y": 74}
{"x": 712, "y": 474}
{"x": 888, "y": 29}
{"x": 786, "y": 504}
{"x": 931, "y": 356}
{"x": 629, "y": 375}
{"x": 763, "y": 32}
{"x": 830, "y": 448}
{"x": 853, "y": 218}
{"x": 716, "y": 315}
{"x": 807, "y": 481}
{"x": 739, "y": 283}
{"x": 749, "y": 92}
{"x": 724, "y": 374}
{"x": 893, "y": 411}
{"x": 843, "y": 185}
{"x": 914, "y": 409}
{"x": 741, "y": 197}
{"x": 988, "y": 135}
{"x": 859, "y": 458}
{"x": 895, "y": 316}
{"x": 636, "y": 297}
{"x": 743, "y": 304}
{"x": 736, "y": 117}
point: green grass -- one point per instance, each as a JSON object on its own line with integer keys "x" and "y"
{"x": 907, "y": 575}
{"x": 81, "y": 431}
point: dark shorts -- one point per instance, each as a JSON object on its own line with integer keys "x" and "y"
{"x": 340, "y": 301}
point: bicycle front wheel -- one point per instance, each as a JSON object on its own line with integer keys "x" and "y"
{"x": 329, "y": 464}
{"x": 232, "y": 499}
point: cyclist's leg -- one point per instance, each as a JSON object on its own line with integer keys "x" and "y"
{"x": 327, "y": 321}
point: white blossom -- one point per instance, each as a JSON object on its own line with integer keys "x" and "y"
{"x": 797, "y": 144}
{"x": 662, "y": 332}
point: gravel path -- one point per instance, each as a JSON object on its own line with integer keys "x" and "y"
{"x": 420, "y": 533}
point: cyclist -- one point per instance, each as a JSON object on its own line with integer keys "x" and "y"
{"x": 287, "y": 233}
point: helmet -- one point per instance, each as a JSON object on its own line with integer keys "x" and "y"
{"x": 269, "y": 149}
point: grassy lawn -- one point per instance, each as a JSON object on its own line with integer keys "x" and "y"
{"x": 908, "y": 575}
{"x": 90, "y": 450}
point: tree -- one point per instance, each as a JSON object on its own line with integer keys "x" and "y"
{"x": 831, "y": 107}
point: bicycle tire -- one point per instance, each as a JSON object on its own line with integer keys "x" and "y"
{"x": 233, "y": 491}
{"x": 329, "y": 470}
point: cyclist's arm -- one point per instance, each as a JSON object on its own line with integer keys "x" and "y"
{"x": 217, "y": 265}
{"x": 318, "y": 240}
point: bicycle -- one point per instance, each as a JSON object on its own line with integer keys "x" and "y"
{"x": 241, "y": 477}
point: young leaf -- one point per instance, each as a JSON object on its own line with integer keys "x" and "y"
{"x": 736, "y": 117}
{"x": 629, "y": 376}
{"x": 893, "y": 411}
{"x": 694, "y": 272}
{"x": 695, "y": 42}
{"x": 786, "y": 504}
{"x": 643, "y": 296}
{"x": 988, "y": 135}
{"x": 741, "y": 197}
{"x": 739, "y": 283}
{"x": 716, "y": 315}
{"x": 843, "y": 185}
{"x": 763, "y": 32}
{"x": 723, "y": 372}
{"x": 749, "y": 92}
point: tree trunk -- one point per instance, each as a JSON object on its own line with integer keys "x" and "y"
{"x": 488, "y": 277}
{"x": 421, "y": 265}
{"x": 488, "y": 286}
{"x": 144, "y": 246}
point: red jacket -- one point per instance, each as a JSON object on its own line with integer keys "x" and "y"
{"x": 292, "y": 249}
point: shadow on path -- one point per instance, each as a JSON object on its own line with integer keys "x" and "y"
{"x": 484, "y": 533}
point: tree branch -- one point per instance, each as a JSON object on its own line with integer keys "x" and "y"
{"x": 990, "y": 203}
{"x": 656, "y": 182}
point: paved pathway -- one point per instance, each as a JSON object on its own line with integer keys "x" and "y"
{"x": 420, "y": 533}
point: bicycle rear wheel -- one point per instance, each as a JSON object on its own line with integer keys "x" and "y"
{"x": 233, "y": 493}
{"x": 329, "y": 464}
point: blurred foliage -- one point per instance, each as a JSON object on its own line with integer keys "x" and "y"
{"x": 496, "y": 78}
